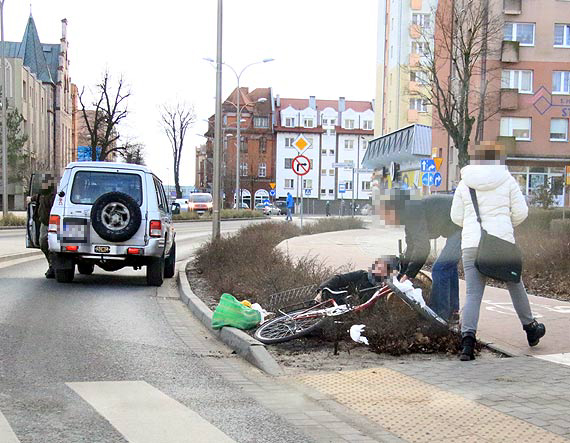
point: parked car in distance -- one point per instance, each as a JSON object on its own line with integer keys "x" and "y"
{"x": 242, "y": 206}
{"x": 271, "y": 210}
{"x": 200, "y": 202}
{"x": 182, "y": 204}
{"x": 260, "y": 207}
{"x": 282, "y": 205}
{"x": 112, "y": 215}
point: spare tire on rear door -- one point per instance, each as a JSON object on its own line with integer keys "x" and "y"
{"x": 115, "y": 216}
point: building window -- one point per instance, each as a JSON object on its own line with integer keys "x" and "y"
{"x": 288, "y": 163}
{"x": 561, "y": 82}
{"x": 331, "y": 191}
{"x": 288, "y": 183}
{"x": 331, "y": 151}
{"x": 419, "y": 77}
{"x": 243, "y": 169}
{"x": 366, "y": 186}
{"x": 290, "y": 122}
{"x": 562, "y": 36}
{"x": 24, "y": 90}
{"x": 419, "y": 48}
{"x": 422, "y": 20}
{"x": 323, "y": 191}
{"x": 289, "y": 142}
{"x": 520, "y": 32}
{"x": 559, "y": 130}
{"x": 308, "y": 123}
{"x": 349, "y": 144}
{"x": 308, "y": 183}
{"x": 367, "y": 124}
{"x": 348, "y": 185}
{"x": 323, "y": 172}
{"x": 515, "y": 79}
{"x": 349, "y": 124}
{"x": 517, "y": 127}
{"x": 262, "y": 170}
{"x": 261, "y": 122}
{"x": 418, "y": 104}
{"x": 324, "y": 151}
{"x": 364, "y": 144}
{"x": 310, "y": 140}
{"x": 243, "y": 144}
{"x": 262, "y": 144}
{"x": 331, "y": 172}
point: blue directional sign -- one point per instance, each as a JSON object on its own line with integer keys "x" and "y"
{"x": 307, "y": 192}
{"x": 437, "y": 179}
{"x": 428, "y": 179}
{"x": 272, "y": 193}
{"x": 341, "y": 188}
{"x": 427, "y": 165}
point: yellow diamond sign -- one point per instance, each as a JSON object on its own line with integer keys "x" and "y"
{"x": 301, "y": 143}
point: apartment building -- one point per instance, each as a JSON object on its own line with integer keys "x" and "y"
{"x": 336, "y": 132}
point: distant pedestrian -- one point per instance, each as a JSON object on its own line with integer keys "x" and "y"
{"x": 44, "y": 202}
{"x": 425, "y": 219}
{"x": 290, "y": 206}
{"x": 328, "y": 208}
{"x": 501, "y": 206}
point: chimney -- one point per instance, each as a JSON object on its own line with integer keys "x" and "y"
{"x": 341, "y": 104}
{"x": 64, "y": 29}
{"x": 312, "y": 102}
{"x": 277, "y": 101}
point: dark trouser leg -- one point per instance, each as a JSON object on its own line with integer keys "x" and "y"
{"x": 445, "y": 288}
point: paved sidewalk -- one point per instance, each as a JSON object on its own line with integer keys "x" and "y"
{"x": 498, "y": 322}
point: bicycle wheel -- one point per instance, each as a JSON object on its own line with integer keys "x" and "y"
{"x": 288, "y": 327}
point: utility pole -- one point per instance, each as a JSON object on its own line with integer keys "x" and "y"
{"x": 3, "y": 104}
{"x": 218, "y": 131}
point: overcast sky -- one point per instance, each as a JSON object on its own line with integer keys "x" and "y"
{"x": 325, "y": 48}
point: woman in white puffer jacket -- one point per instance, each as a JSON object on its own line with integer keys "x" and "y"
{"x": 501, "y": 207}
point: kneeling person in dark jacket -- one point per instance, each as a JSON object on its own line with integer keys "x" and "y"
{"x": 359, "y": 281}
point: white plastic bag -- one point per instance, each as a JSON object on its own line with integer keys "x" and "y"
{"x": 356, "y": 334}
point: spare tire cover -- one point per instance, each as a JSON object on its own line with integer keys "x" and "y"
{"x": 115, "y": 216}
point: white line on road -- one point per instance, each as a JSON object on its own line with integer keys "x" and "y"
{"x": 143, "y": 414}
{"x": 6, "y": 433}
{"x": 562, "y": 359}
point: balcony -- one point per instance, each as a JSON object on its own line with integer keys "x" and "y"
{"x": 509, "y": 99}
{"x": 414, "y": 87}
{"x": 416, "y": 5}
{"x": 413, "y": 116}
{"x": 510, "y": 52}
{"x": 512, "y": 7}
{"x": 415, "y": 31}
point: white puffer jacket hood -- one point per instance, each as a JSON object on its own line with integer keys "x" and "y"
{"x": 501, "y": 203}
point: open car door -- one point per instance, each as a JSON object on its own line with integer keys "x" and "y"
{"x": 32, "y": 227}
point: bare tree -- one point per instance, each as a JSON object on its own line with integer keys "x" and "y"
{"x": 175, "y": 121}
{"x": 108, "y": 108}
{"x": 132, "y": 152}
{"x": 466, "y": 33}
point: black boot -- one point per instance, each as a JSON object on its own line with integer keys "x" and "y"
{"x": 534, "y": 332}
{"x": 467, "y": 347}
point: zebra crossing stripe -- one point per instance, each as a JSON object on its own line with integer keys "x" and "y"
{"x": 6, "y": 433}
{"x": 143, "y": 414}
{"x": 561, "y": 359}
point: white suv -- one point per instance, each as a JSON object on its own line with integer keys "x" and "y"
{"x": 111, "y": 215}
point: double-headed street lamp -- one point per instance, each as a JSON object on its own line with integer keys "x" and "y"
{"x": 238, "y": 119}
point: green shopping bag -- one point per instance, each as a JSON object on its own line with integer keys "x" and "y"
{"x": 230, "y": 312}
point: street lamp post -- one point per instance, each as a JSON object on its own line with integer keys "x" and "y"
{"x": 3, "y": 104}
{"x": 216, "y": 216}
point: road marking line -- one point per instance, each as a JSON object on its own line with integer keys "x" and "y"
{"x": 143, "y": 414}
{"x": 562, "y": 359}
{"x": 6, "y": 433}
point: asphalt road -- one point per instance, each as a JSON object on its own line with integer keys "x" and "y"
{"x": 103, "y": 359}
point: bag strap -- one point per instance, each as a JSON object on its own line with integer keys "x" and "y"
{"x": 475, "y": 205}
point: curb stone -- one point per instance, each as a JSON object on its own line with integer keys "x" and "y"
{"x": 244, "y": 345}
{"x": 18, "y": 256}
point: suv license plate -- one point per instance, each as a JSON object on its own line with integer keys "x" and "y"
{"x": 102, "y": 249}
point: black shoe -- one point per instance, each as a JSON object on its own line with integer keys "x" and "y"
{"x": 534, "y": 332}
{"x": 467, "y": 347}
{"x": 50, "y": 273}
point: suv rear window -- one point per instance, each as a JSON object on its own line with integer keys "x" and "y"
{"x": 88, "y": 186}
{"x": 201, "y": 198}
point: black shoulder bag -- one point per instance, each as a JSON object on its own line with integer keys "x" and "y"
{"x": 496, "y": 258}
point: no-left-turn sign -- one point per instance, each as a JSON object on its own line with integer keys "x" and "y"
{"x": 301, "y": 165}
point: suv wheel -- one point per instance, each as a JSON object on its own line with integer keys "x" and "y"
{"x": 170, "y": 263}
{"x": 85, "y": 268}
{"x": 115, "y": 216}
{"x": 65, "y": 275}
{"x": 155, "y": 271}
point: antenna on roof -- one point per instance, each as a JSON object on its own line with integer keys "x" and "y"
{"x": 30, "y": 9}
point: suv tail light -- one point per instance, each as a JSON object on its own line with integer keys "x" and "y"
{"x": 53, "y": 223}
{"x": 155, "y": 228}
